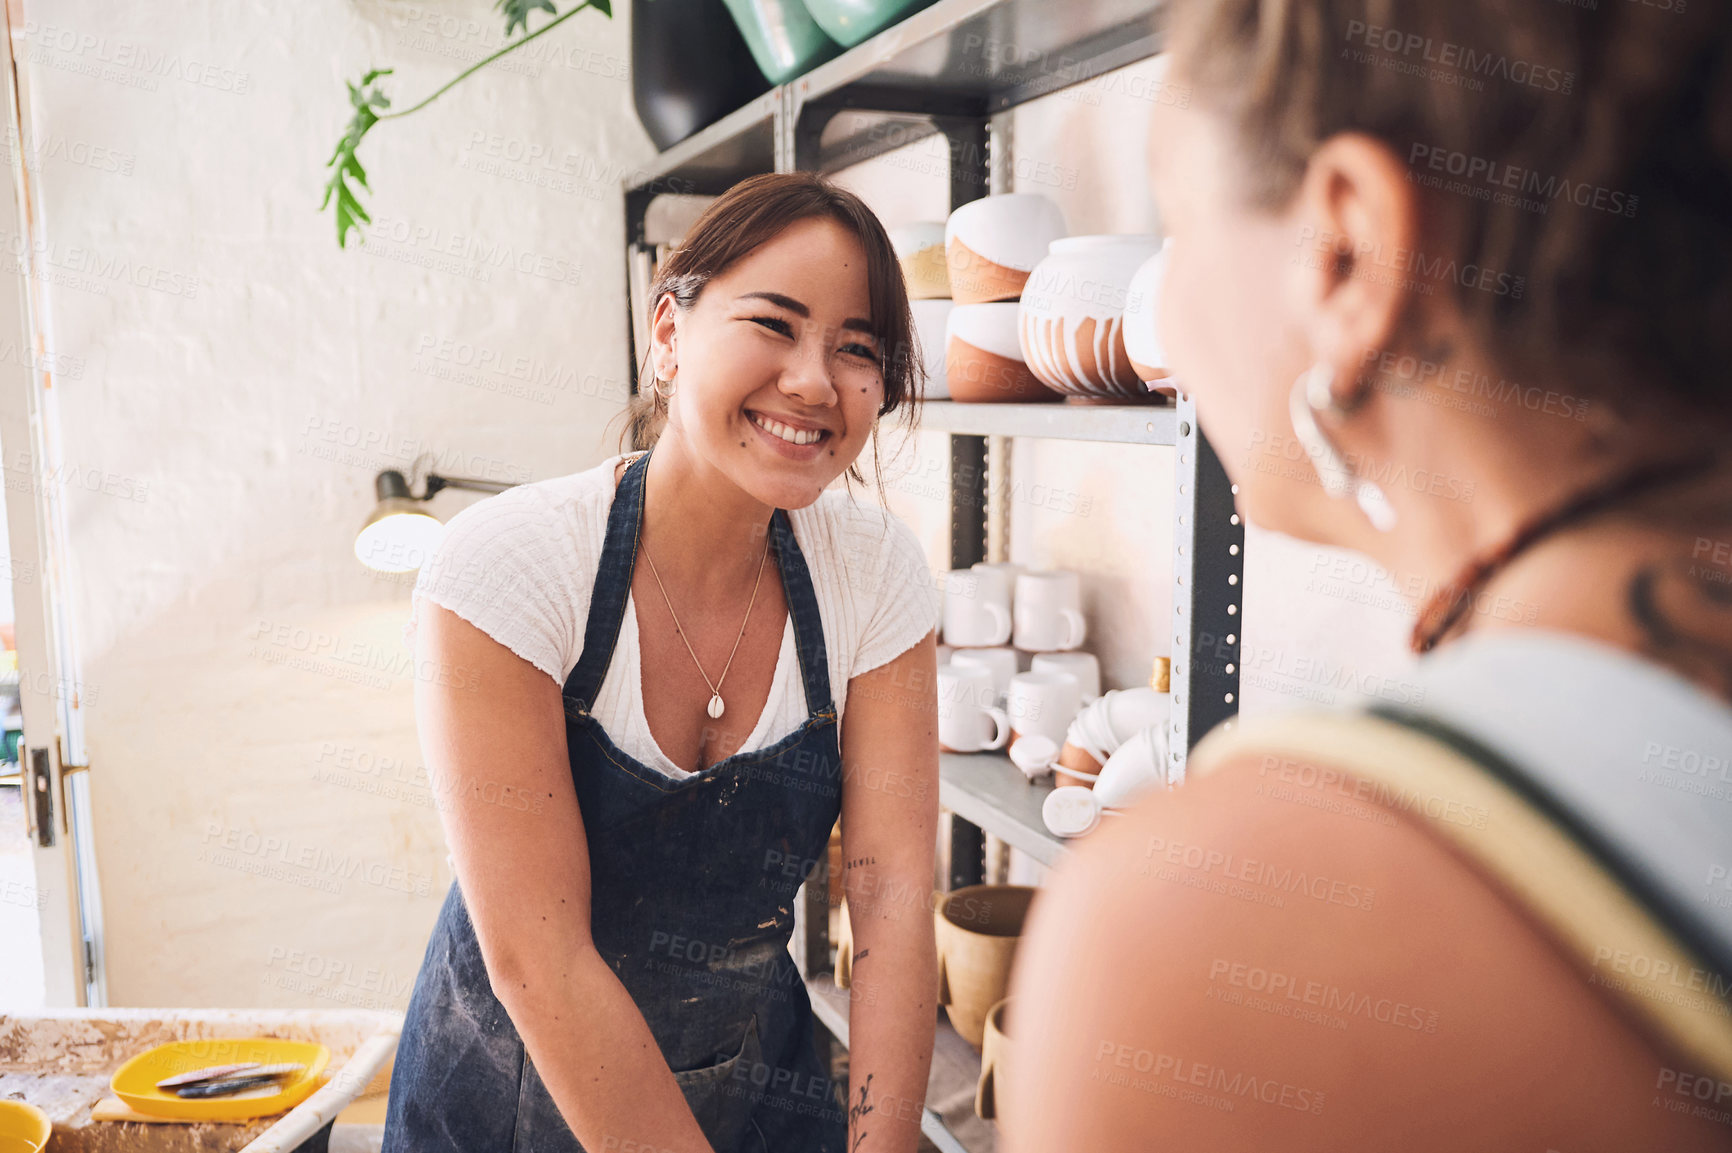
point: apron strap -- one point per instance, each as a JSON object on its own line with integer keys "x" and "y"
{"x": 613, "y": 585}
{"x": 803, "y": 608}
{"x": 608, "y": 596}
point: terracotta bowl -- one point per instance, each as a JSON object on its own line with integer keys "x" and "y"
{"x": 993, "y": 243}
{"x": 983, "y": 358}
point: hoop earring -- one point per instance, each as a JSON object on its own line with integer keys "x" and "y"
{"x": 1313, "y": 395}
{"x": 656, "y": 387}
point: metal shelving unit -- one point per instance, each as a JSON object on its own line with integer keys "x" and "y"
{"x": 947, "y": 70}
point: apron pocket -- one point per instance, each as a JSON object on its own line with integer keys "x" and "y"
{"x": 723, "y": 1095}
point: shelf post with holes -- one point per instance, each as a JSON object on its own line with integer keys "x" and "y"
{"x": 1208, "y": 587}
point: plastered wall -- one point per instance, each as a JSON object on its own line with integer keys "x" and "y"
{"x": 265, "y": 829}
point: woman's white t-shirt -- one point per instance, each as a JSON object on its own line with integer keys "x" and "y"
{"x": 520, "y": 567}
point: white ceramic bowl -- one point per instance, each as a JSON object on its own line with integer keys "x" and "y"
{"x": 931, "y": 324}
{"x": 983, "y": 356}
{"x": 993, "y": 243}
{"x": 920, "y": 248}
{"x": 1148, "y": 356}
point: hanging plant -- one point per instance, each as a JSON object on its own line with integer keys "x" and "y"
{"x": 371, "y": 104}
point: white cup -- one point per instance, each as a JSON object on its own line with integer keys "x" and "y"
{"x": 1001, "y": 661}
{"x": 1083, "y": 666}
{"x": 1010, "y": 569}
{"x": 977, "y": 607}
{"x": 1043, "y": 704}
{"x": 1049, "y": 611}
{"x": 968, "y": 720}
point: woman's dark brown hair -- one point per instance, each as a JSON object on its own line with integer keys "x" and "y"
{"x": 753, "y": 212}
{"x": 1581, "y": 150}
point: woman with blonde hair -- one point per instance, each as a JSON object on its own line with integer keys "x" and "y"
{"x": 1418, "y": 241}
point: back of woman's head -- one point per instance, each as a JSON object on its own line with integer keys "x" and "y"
{"x": 1579, "y": 149}
{"x": 754, "y": 212}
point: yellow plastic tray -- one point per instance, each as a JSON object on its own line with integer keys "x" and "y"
{"x": 23, "y": 1128}
{"x": 135, "y": 1081}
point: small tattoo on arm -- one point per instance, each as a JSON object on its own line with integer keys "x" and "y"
{"x": 862, "y": 861}
{"x": 858, "y": 1111}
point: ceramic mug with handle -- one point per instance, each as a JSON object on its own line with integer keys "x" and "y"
{"x": 1043, "y": 704}
{"x": 1049, "y": 613}
{"x": 977, "y": 607}
{"x": 969, "y": 719}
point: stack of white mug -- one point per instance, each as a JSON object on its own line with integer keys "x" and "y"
{"x": 1010, "y": 669}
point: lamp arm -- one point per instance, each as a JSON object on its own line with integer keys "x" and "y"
{"x": 435, "y": 482}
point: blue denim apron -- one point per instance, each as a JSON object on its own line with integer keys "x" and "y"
{"x": 693, "y": 886}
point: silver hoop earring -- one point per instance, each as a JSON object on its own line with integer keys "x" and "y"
{"x": 1314, "y": 395}
{"x": 672, "y": 384}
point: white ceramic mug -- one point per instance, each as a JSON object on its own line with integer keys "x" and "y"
{"x": 977, "y": 607}
{"x": 1083, "y": 666}
{"x": 1043, "y": 704}
{"x": 1000, "y": 660}
{"x": 968, "y": 720}
{"x": 1049, "y": 611}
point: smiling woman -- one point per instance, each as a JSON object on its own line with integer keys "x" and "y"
{"x": 828, "y": 231}
{"x": 611, "y": 970}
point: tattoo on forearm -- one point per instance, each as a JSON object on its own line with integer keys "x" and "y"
{"x": 862, "y": 861}
{"x": 861, "y": 955}
{"x": 857, "y": 1112}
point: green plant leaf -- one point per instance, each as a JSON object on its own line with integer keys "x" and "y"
{"x": 517, "y": 13}
{"x": 371, "y": 106}
{"x": 369, "y": 103}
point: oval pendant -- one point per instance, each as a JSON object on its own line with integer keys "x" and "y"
{"x": 715, "y": 705}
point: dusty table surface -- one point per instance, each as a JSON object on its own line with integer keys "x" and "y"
{"x": 67, "y": 1098}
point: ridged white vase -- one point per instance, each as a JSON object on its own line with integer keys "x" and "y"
{"x": 1072, "y": 321}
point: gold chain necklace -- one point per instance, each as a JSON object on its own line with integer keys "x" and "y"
{"x": 716, "y": 707}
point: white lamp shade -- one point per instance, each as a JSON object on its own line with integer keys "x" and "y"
{"x": 401, "y": 540}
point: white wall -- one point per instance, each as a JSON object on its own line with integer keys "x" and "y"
{"x": 243, "y": 381}
{"x": 259, "y": 801}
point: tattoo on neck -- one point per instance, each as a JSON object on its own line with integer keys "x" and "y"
{"x": 1684, "y": 611}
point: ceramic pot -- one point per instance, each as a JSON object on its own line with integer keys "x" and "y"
{"x": 689, "y": 67}
{"x": 983, "y": 357}
{"x": 851, "y": 21}
{"x": 931, "y": 321}
{"x": 1073, "y": 316}
{"x": 834, "y": 854}
{"x": 844, "y": 973}
{"x": 920, "y": 249}
{"x": 978, "y": 929}
{"x": 783, "y": 37}
{"x": 1142, "y": 324}
{"x": 994, "y": 1061}
{"x": 993, "y": 243}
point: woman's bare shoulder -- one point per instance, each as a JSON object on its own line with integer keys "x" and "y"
{"x": 1232, "y": 966}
